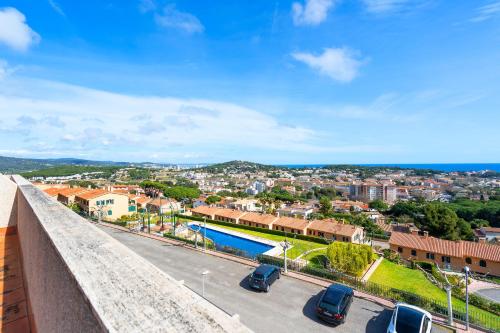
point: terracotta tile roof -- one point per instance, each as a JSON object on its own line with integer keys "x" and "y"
{"x": 459, "y": 249}
{"x": 72, "y": 191}
{"x": 230, "y": 213}
{"x": 52, "y": 191}
{"x": 164, "y": 202}
{"x": 142, "y": 200}
{"x": 93, "y": 194}
{"x": 205, "y": 210}
{"x": 333, "y": 227}
{"x": 290, "y": 222}
{"x": 259, "y": 218}
{"x": 490, "y": 229}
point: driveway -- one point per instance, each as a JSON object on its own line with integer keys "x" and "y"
{"x": 288, "y": 307}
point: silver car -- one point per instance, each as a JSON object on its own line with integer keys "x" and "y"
{"x": 410, "y": 319}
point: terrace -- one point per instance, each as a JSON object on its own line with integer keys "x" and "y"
{"x": 62, "y": 274}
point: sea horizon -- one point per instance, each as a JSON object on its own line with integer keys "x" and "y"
{"x": 446, "y": 167}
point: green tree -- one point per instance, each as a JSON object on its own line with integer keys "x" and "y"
{"x": 379, "y": 205}
{"x": 325, "y": 205}
{"x": 213, "y": 199}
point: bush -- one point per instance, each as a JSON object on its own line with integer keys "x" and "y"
{"x": 210, "y": 245}
{"x": 392, "y": 256}
{"x": 349, "y": 258}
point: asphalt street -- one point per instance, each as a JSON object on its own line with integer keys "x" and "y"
{"x": 288, "y": 307}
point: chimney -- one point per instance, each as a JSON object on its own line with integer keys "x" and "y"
{"x": 426, "y": 234}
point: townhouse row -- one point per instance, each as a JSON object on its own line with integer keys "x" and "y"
{"x": 480, "y": 257}
{"x": 329, "y": 229}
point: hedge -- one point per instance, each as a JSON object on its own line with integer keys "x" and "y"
{"x": 210, "y": 245}
{"x": 267, "y": 231}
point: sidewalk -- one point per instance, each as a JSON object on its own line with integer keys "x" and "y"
{"x": 458, "y": 327}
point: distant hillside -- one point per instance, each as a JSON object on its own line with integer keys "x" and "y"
{"x": 237, "y": 166}
{"x": 20, "y": 165}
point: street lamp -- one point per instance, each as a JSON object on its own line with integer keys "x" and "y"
{"x": 285, "y": 245}
{"x": 466, "y": 269}
{"x": 203, "y": 274}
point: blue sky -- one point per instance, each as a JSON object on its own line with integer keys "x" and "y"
{"x": 306, "y": 81}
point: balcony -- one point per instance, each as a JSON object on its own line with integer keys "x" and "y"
{"x": 62, "y": 274}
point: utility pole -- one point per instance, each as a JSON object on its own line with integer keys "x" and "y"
{"x": 466, "y": 268}
{"x": 204, "y": 234}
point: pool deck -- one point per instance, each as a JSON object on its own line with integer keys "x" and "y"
{"x": 275, "y": 251}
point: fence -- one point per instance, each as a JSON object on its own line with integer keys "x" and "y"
{"x": 482, "y": 319}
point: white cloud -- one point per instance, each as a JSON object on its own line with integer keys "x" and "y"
{"x": 4, "y": 70}
{"x": 14, "y": 32}
{"x": 55, "y": 6}
{"x": 135, "y": 126}
{"x": 341, "y": 64}
{"x": 486, "y": 12}
{"x": 393, "y": 6}
{"x": 172, "y": 18}
{"x": 312, "y": 12}
{"x": 147, "y": 6}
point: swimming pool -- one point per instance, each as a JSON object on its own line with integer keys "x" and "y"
{"x": 249, "y": 248}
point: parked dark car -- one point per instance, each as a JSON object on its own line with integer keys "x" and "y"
{"x": 334, "y": 304}
{"x": 263, "y": 277}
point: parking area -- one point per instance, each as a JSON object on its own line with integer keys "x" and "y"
{"x": 288, "y": 307}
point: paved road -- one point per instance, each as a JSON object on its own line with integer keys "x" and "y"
{"x": 492, "y": 294}
{"x": 288, "y": 307}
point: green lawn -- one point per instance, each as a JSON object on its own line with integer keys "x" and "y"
{"x": 414, "y": 281}
{"x": 299, "y": 245}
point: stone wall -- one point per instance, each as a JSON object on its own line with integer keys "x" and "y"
{"x": 79, "y": 279}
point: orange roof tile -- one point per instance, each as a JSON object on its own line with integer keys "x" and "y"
{"x": 72, "y": 191}
{"x": 259, "y": 218}
{"x": 230, "y": 213}
{"x": 52, "y": 191}
{"x": 449, "y": 248}
{"x": 333, "y": 227}
{"x": 290, "y": 222}
{"x": 93, "y": 194}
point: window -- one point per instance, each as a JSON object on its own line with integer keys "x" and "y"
{"x": 482, "y": 263}
{"x": 110, "y": 212}
{"x": 321, "y": 234}
{"x": 468, "y": 260}
{"x": 445, "y": 259}
{"x": 413, "y": 252}
{"x": 429, "y": 256}
{"x": 400, "y": 249}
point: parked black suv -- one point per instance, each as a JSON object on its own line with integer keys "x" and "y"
{"x": 335, "y": 303}
{"x": 263, "y": 277}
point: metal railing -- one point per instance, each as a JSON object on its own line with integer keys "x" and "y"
{"x": 480, "y": 318}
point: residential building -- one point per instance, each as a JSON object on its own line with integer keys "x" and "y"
{"x": 205, "y": 212}
{"x": 248, "y": 205}
{"x": 67, "y": 196}
{"x": 367, "y": 192}
{"x": 107, "y": 205}
{"x": 291, "y": 225}
{"x": 333, "y": 230}
{"x": 488, "y": 234}
{"x": 481, "y": 258}
{"x": 163, "y": 206}
{"x": 228, "y": 215}
{"x": 258, "y": 220}
{"x": 298, "y": 211}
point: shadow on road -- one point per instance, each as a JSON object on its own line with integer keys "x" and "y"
{"x": 245, "y": 285}
{"x": 379, "y": 321}
{"x": 309, "y": 309}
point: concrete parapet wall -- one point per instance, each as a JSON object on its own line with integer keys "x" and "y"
{"x": 79, "y": 279}
{"x": 8, "y": 209}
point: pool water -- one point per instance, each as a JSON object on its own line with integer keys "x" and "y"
{"x": 246, "y": 247}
